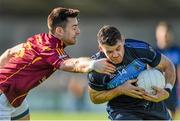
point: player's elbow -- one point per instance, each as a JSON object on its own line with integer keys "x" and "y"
{"x": 96, "y": 100}
{"x": 8, "y": 52}
{"x": 96, "y": 96}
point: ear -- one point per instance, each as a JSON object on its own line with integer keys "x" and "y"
{"x": 59, "y": 31}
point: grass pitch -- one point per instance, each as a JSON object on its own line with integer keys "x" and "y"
{"x": 52, "y": 115}
{"x": 68, "y": 116}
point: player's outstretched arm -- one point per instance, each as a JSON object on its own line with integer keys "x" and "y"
{"x": 85, "y": 64}
{"x": 9, "y": 53}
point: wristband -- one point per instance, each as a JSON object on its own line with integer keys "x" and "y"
{"x": 168, "y": 88}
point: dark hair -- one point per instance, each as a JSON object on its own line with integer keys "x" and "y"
{"x": 58, "y": 17}
{"x": 108, "y": 35}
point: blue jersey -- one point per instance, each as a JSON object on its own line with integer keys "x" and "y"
{"x": 173, "y": 53}
{"x": 137, "y": 56}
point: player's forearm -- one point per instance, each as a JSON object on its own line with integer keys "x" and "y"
{"x": 168, "y": 68}
{"x": 178, "y": 73}
{"x": 98, "y": 97}
{"x": 82, "y": 65}
{"x": 170, "y": 73}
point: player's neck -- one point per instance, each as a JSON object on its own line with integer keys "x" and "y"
{"x": 56, "y": 36}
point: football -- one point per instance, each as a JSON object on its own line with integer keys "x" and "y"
{"x": 149, "y": 78}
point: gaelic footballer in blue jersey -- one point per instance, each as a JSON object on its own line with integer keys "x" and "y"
{"x": 125, "y": 99}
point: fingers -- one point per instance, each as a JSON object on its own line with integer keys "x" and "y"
{"x": 148, "y": 98}
{"x": 135, "y": 96}
{"x": 153, "y": 98}
{"x": 106, "y": 72}
{"x": 156, "y": 88}
{"x": 141, "y": 89}
{"x": 133, "y": 80}
{"x": 102, "y": 66}
{"x": 109, "y": 69}
{"x": 150, "y": 95}
{"x": 137, "y": 92}
{"x": 107, "y": 63}
{"x": 110, "y": 65}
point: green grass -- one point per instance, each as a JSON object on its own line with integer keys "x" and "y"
{"x": 68, "y": 116}
{"x": 177, "y": 116}
{"x": 73, "y": 116}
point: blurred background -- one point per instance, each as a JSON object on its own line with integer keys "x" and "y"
{"x": 67, "y": 92}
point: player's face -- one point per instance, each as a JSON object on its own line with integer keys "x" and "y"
{"x": 71, "y": 31}
{"x": 114, "y": 53}
{"x": 163, "y": 37}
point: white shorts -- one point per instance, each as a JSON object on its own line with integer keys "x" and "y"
{"x": 8, "y": 112}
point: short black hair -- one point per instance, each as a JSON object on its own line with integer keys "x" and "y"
{"x": 108, "y": 35}
{"x": 58, "y": 17}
